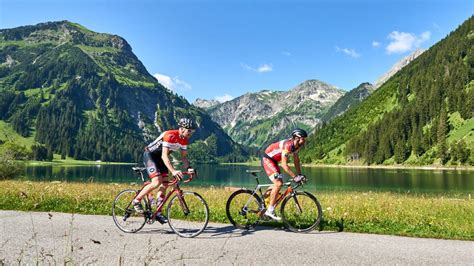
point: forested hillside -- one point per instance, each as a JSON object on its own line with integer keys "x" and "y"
{"x": 422, "y": 115}
{"x": 85, "y": 95}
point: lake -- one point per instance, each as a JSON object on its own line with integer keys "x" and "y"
{"x": 320, "y": 178}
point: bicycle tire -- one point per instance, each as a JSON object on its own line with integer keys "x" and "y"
{"x": 244, "y": 208}
{"x": 301, "y": 212}
{"x": 124, "y": 215}
{"x": 188, "y": 218}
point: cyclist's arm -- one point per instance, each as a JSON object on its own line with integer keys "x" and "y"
{"x": 166, "y": 159}
{"x": 284, "y": 165}
{"x": 184, "y": 157}
{"x": 296, "y": 161}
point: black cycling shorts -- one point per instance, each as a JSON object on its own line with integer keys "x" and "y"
{"x": 154, "y": 164}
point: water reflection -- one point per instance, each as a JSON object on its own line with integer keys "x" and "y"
{"x": 399, "y": 180}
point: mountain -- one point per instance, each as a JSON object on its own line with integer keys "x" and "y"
{"x": 255, "y": 119}
{"x": 349, "y": 100}
{"x": 358, "y": 94}
{"x": 205, "y": 104}
{"x": 397, "y": 67}
{"x": 86, "y": 95}
{"x": 422, "y": 115}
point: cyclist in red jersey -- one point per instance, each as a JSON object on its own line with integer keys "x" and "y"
{"x": 158, "y": 164}
{"x": 279, "y": 152}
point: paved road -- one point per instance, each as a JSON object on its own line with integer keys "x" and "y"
{"x": 59, "y": 238}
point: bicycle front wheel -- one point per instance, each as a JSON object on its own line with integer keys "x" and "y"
{"x": 243, "y": 209}
{"x": 301, "y": 212}
{"x": 188, "y": 214}
{"x": 125, "y": 216}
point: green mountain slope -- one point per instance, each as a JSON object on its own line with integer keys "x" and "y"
{"x": 86, "y": 95}
{"x": 349, "y": 100}
{"x": 422, "y": 115}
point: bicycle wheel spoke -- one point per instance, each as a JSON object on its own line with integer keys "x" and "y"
{"x": 243, "y": 209}
{"x": 121, "y": 209}
{"x": 297, "y": 204}
{"x": 301, "y": 212}
{"x": 125, "y": 217}
{"x": 188, "y": 215}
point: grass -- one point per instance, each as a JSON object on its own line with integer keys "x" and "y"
{"x": 464, "y": 130}
{"x": 418, "y": 215}
{"x": 70, "y": 161}
{"x": 7, "y": 133}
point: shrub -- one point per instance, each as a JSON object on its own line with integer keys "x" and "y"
{"x": 9, "y": 168}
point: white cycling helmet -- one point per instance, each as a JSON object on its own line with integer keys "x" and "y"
{"x": 186, "y": 123}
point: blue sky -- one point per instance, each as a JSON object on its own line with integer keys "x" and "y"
{"x": 223, "y": 49}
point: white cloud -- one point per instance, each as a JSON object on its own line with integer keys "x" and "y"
{"x": 174, "y": 84}
{"x": 402, "y": 42}
{"x": 224, "y": 98}
{"x": 375, "y": 44}
{"x": 286, "y": 53}
{"x": 350, "y": 52}
{"x": 265, "y": 68}
{"x": 261, "y": 69}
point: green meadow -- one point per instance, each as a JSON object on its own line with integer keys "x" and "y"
{"x": 449, "y": 216}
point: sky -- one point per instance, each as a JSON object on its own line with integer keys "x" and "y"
{"x": 223, "y": 49}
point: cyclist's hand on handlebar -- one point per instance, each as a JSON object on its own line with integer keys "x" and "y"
{"x": 178, "y": 174}
{"x": 299, "y": 179}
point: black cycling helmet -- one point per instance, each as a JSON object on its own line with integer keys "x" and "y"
{"x": 298, "y": 132}
{"x": 186, "y": 123}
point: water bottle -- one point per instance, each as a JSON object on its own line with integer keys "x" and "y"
{"x": 267, "y": 200}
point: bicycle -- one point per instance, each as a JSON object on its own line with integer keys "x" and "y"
{"x": 187, "y": 211}
{"x": 300, "y": 210}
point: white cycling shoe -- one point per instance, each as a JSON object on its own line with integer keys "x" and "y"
{"x": 272, "y": 215}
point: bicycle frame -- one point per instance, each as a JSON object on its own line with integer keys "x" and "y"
{"x": 176, "y": 189}
{"x": 300, "y": 210}
{"x": 290, "y": 189}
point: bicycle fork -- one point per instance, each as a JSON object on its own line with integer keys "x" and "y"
{"x": 183, "y": 204}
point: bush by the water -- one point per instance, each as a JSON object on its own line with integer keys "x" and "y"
{"x": 9, "y": 168}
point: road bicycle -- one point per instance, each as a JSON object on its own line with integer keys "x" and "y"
{"x": 187, "y": 211}
{"x": 300, "y": 210}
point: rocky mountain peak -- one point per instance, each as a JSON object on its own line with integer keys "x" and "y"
{"x": 255, "y": 118}
{"x": 61, "y": 32}
{"x": 398, "y": 66}
{"x": 205, "y": 104}
{"x": 314, "y": 90}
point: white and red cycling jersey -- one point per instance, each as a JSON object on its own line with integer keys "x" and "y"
{"x": 169, "y": 139}
{"x": 152, "y": 155}
{"x": 281, "y": 148}
{"x": 273, "y": 155}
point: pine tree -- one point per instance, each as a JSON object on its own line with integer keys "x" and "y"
{"x": 441, "y": 137}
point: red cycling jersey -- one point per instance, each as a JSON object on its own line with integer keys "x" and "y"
{"x": 152, "y": 156}
{"x": 273, "y": 155}
{"x": 168, "y": 139}
{"x": 283, "y": 147}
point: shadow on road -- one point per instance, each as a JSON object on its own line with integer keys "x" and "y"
{"x": 224, "y": 231}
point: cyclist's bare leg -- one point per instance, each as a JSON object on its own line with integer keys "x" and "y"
{"x": 277, "y": 184}
{"x": 155, "y": 183}
{"x": 160, "y": 195}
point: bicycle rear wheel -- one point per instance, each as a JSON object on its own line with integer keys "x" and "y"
{"x": 243, "y": 209}
{"x": 125, "y": 216}
{"x": 188, "y": 214}
{"x": 301, "y": 212}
